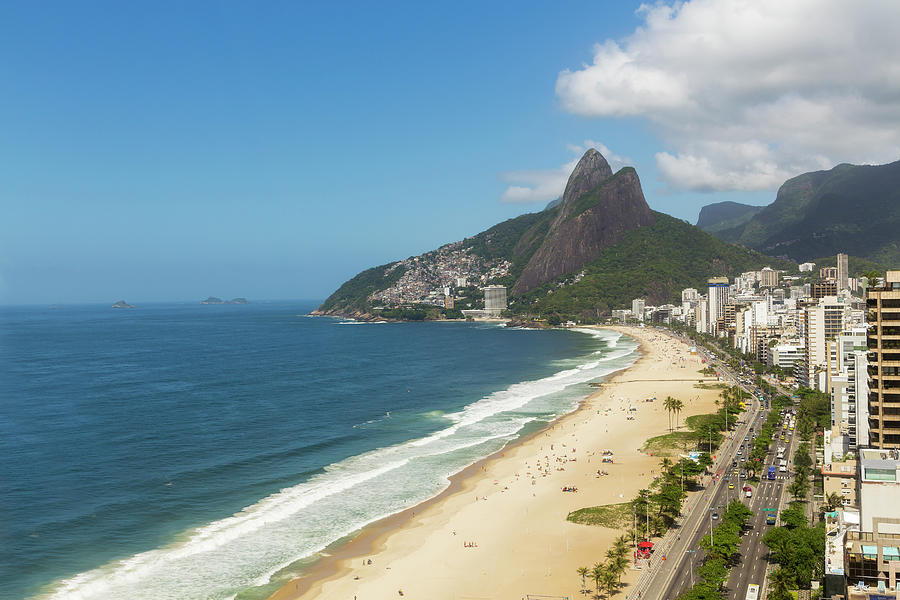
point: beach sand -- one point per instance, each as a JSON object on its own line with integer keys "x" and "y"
{"x": 512, "y": 504}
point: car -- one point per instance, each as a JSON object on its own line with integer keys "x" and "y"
{"x": 730, "y": 486}
{"x": 715, "y": 516}
{"x": 743, "y": 475}
{"x": 747, "y": 488}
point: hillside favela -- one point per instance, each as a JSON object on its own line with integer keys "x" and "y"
{"x": 592, "y": 301}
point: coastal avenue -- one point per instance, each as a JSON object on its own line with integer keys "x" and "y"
{"x": 675, "y": 574}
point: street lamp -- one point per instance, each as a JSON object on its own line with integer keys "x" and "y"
{"x": 691, "y": 564}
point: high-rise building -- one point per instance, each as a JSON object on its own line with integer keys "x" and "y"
{"x": 716, "y": 300}
{"x": 823, "y": 322}
{"x": 828, "y": 273}
{"x": 494, "y": 300}
{"x": 637, "y": 308}
{"x": 768, "y": 277}
{"x": 701, "y": 316}
{"x": 820, "y": 289}
{"x": 843, "y": 272}
{"x": 883, "y": 318}
{"x": 689, "y": 295}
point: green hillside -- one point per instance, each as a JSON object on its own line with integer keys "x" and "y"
{"x": 850, "y": 208}
{"x": 352, "y": 295}
{"x": 654, "y": 262}
{"x": 500, "y": 241}
{"x": 725, "y": 215}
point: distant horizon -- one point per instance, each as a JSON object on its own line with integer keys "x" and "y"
{"x": 150, "y": 149}
{"x": 139, "y": 303}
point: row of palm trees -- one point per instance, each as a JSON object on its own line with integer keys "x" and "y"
{"x": 673, "y": 406}
{"x": 607, "y": 575}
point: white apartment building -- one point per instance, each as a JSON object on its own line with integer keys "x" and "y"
{"x": 637, "y": 308}
{"x": 716, "y": 300}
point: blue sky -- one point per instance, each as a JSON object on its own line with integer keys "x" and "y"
{"x": 170, "y": 151}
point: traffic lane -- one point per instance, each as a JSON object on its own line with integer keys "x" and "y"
{"x": 674, "y": 577}
{"x": 681, "y": 580}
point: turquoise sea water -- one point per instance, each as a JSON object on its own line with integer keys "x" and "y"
{"x": 188, "y": 451}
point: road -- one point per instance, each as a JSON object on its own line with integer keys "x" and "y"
{"x": 754, "y": 563}
{"x": 674, "y": 574}
{"x": 671, "y": 569}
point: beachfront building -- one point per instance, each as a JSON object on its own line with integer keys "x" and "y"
{"x": 883, "y": 340}
{"x": 637, "y": 308}
{"x": 717, "y": 298}
{"x": 494, "y": 300}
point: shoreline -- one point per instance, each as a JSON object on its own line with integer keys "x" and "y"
{"x": 370, "y": 538}
{"x": 337, "y": 563}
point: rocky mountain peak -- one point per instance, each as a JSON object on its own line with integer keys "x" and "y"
{"x": 589, "y": 173}
{"x": 597, "y": 209}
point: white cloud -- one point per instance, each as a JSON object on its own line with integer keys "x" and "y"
{"x": 543, "y": 185}
{"x": 746, "y": 94}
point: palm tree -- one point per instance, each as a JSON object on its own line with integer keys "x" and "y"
{"x": 669, "y": 404}
{"x": 781, "y": 583}
{"x": 618, "y": 564}
{"x": 677, "y": 406}
{"x": 583, "y": 571}
{"x": 832, "y": 502}
{"x": 597, "y": 575}
{"x": 621, "y": 545}
{"x": 609, "y": 579}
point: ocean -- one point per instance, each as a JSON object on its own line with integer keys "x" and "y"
{"x": 212, "y": 451}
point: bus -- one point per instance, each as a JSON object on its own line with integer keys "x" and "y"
{"x": 772, "y": 472}
{"x": 752, "y": 592}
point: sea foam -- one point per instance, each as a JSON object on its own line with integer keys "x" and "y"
{"x": 226, "y": 556}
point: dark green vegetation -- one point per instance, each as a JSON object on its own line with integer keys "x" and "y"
{"x": 850, "y": 208}
{"x": 353, "y": 294}
{"x": 797, "y": 548}
{"x": 597, "y": 249}
{"x": 721, "y": 553}
{"x": 654, "y": 262}
{"x": 725, "y": 215}
{"x": 814, "y": 412}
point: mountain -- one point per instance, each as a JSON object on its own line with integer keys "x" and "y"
{"x": 725, "y": 215}
{"x": 597, "y": 208}
{"x": 853, "y": 209}
{"x": 654, "y": 262}
{"x": 596, "y": 249}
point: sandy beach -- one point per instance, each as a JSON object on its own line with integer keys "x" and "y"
{"x": 500, "y": 529}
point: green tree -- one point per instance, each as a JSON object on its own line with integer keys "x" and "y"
{"x": 597, "y": 575}
{"x": 677, "y": 407}
{"x": 669, "y": 405}
{"x": 583, "y": 571}
{"x": 609, "y": 579}
{"x": 781, "y": 582}
{"x": 793, "y": 518}
{"x": 832, "y": 502}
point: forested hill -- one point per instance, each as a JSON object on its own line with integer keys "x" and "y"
{"x": 654, "y": 262}
{"x": 851, "y": 208}
{"x": 596, "y": 250}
